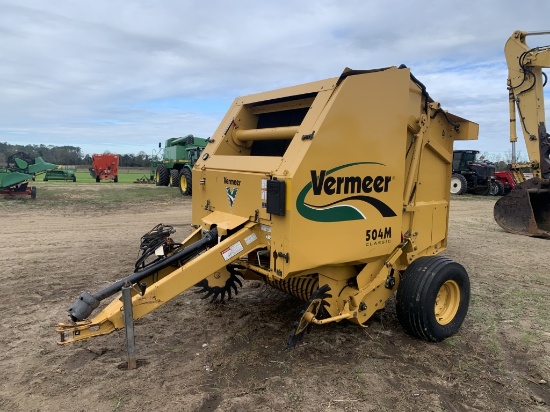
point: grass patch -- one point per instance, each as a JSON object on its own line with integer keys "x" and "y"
{"x": 86, "y": 196}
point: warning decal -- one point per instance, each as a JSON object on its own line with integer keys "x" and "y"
{"x": 250, "y": 238}
{"x": 232, "y": 250}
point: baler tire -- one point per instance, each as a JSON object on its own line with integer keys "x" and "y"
{"x": 459, "y": 185}
{"x": 174, "y": 178}
{"x": 162, "y": 176}
{"x": 185, "y": 182}
{"x": 433, "y": 298}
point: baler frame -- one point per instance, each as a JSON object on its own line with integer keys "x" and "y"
{"x": 264, "y": 188}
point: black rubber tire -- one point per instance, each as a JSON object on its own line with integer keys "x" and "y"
{"x": 174, "y": 178}
{"x": 115, "y": 179}
{"x": 33, "y": 192}
{"x": 74, "y": 178}
{"x": 185, "y": 182}
{"x": 459, "y": 185}
{"x": 417, "y": 294}
{"x": 501, "y": 189}
{"x": 97, "y": 179}
{"x": 162, "y": 176}
{"x": 491, "y": 189}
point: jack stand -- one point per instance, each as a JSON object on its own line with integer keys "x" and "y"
{"x": 129, "y": 325}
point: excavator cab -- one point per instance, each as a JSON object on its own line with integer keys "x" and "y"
{"x": 526, "y": 209}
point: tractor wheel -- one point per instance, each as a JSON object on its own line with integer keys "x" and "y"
{"x": 433, "y": 298}
{"x": 33, "y": 192}
{"x": 459, "y": 185}
{"x": 162, "y": 176}
{"x": 492, "y": 189}
{"x": 500, "y": 188}
{"x": 185, "y": 182}
{"x": 174, "y": 178}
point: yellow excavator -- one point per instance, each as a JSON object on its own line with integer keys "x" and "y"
{"x": 526, "y": 209}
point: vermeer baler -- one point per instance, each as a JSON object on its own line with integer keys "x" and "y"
{"x": 335, "y": 191}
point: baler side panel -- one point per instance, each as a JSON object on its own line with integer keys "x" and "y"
{"x": 335, "y": 209}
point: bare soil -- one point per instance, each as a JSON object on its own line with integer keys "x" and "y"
{"x": 197, "y": 356}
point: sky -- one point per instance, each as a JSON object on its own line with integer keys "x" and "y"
{"x": 121, "y": 76}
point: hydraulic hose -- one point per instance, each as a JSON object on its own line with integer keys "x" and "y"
{"x": 87, "y": 302}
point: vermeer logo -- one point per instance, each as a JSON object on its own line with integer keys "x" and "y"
{"x": 231, "y": 195}
{"x": 356, "y": 186}
{"x": 233, "y": 182}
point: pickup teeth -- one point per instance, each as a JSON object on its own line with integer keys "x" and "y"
{"x": 218, "y": 293}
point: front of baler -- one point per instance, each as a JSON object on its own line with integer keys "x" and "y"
{"x": 329, "y": 191}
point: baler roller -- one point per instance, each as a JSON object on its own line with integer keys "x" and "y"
{"x": 301, "y": 287}
{"x": 275, "y": 133}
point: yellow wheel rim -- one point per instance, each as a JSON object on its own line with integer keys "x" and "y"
{"x": 183, "y": 183}
{"x": 447, "y": 302}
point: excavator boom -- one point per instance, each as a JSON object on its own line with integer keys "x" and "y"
{"x": 526, "y": 209}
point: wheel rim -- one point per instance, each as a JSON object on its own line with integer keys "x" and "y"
{"x": 183, "y": 183}
{"x": 455, "y": 186}
{"x": 447, "y": 302}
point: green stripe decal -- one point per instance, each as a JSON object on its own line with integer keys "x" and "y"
{"x": 336, "y": 212}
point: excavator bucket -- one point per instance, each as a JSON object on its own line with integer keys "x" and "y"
{"x": 525, "y": 210}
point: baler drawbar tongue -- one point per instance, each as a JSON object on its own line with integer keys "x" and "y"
{"x": 525, "y": 210}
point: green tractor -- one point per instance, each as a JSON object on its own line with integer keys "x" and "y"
{"x": 178, "y": 157}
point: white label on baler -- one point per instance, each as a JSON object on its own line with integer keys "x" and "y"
{"x": 250, "y": 238}
{"x": 232, "y": 250}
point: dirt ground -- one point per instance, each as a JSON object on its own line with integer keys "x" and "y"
{"x": 196, "y": 356}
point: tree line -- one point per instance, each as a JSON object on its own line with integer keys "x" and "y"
{"x": 68, "y": 155}
{"x": 71, "y": 155}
